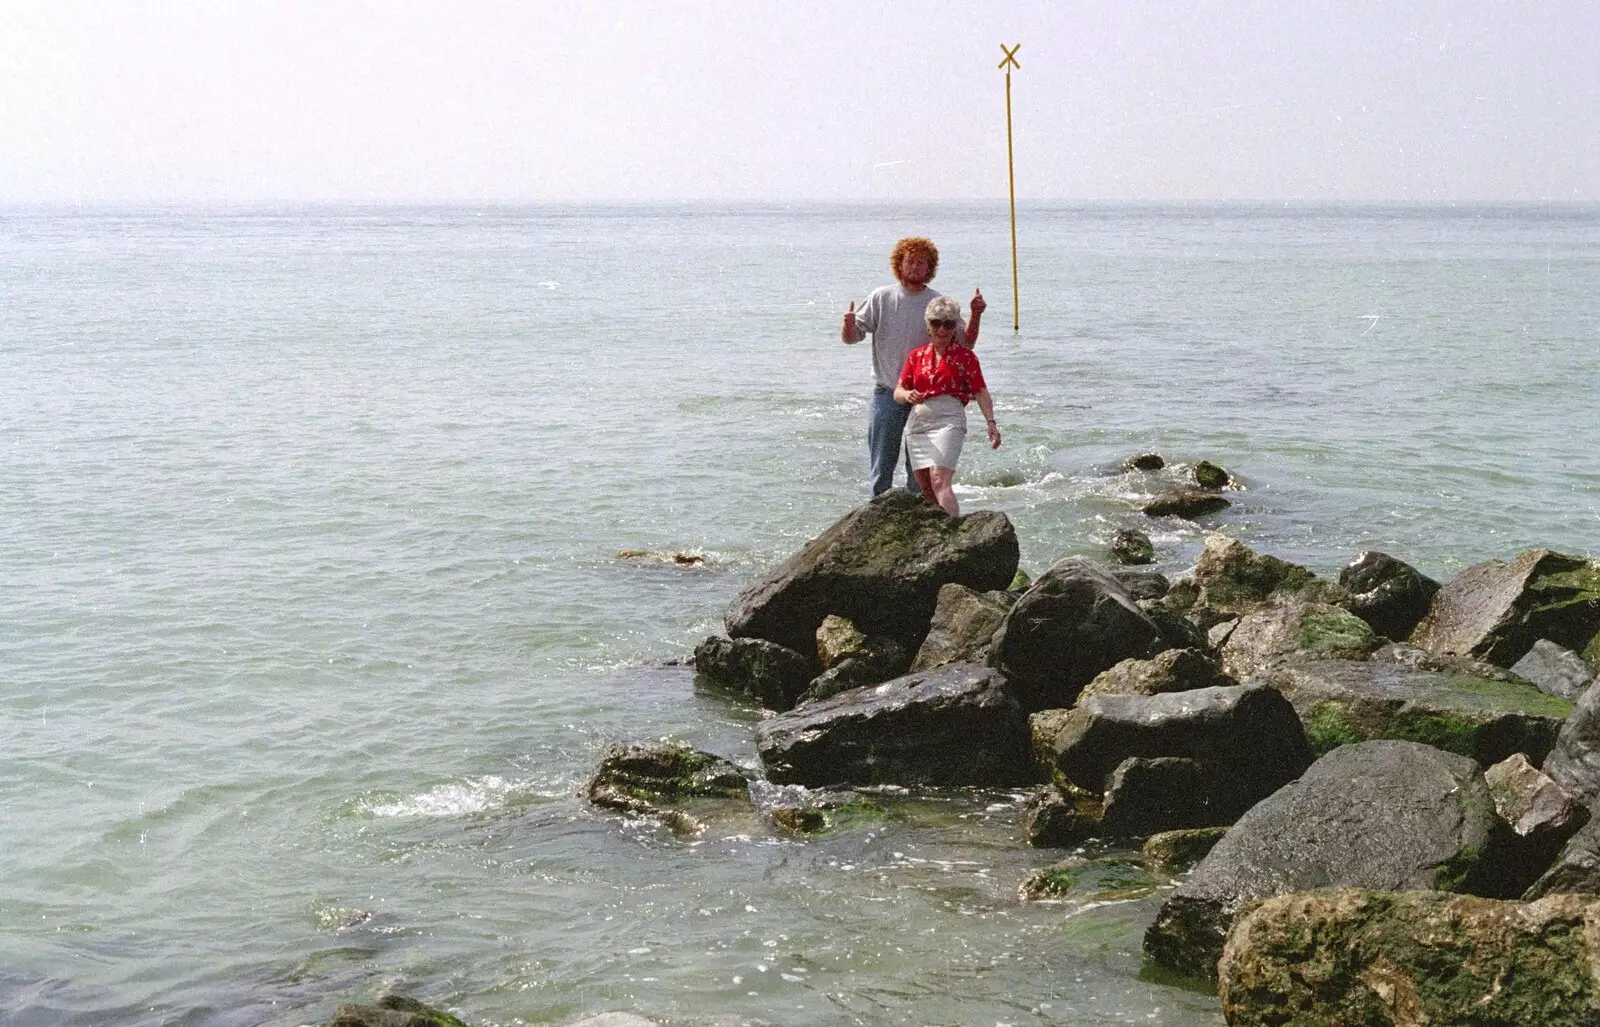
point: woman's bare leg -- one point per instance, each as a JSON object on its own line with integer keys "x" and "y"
{"x": 942, "y": 487}
{"x": 925, "y": 482}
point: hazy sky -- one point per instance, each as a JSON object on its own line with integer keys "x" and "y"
{"x": 851, "y": 100}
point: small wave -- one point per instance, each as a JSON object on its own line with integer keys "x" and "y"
{"x": 475, "y": 795}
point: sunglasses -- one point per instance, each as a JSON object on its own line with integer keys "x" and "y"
{"x": 940, "y": 323}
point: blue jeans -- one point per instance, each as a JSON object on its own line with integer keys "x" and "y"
{"x": 886, "y": 423}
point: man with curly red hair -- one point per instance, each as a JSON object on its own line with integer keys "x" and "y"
{"x": 893, "y": 315}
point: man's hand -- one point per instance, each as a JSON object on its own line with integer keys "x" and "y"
{"x": 979, "y": 304}
{"x": 848, "y": 332}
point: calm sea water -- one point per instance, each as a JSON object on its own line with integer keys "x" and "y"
{"x": 312, "y": 618}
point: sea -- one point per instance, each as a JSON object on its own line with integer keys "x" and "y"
{"x": 338, "y": 543}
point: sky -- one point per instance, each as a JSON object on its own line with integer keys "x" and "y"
{"x": 854, "y": 100}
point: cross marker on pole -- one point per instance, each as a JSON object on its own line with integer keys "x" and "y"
{"x": 1006, "y": 65}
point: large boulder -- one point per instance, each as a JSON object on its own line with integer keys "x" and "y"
{"x": 1071, "y": 624}
{"x": 1349, "y": 958}
{"x": 1555, "y": 670}
{"x": 772, "y": 674}
{"x": 881, "y": 566}
{"x": 1249, "y": 728}
{"x": 957, "y": 725}
{"x": 1148, "y": 795}
{"x": 1495, "y": 611}
{"x": 1389, "y": 594}
{"x": 1389, "y": 816}
{"x": 853, "y": 659}
{"x": 963, "y": 628}
{"x": 1479, "y": 711}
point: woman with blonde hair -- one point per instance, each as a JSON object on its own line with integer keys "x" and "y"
{"x": 937, "y": 381}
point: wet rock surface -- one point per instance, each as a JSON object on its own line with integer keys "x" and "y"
{"x": 1496, "y": 611}
{"x": 1392, "y": 816}
{"x": 773, "y": 675}
{"x": 1389, "y": 594}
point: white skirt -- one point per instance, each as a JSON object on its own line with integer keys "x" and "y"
{"x": 935, "y": 430}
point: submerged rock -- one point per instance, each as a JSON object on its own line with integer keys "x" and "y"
{"x": 1106, "y": 879}
{"x": 638, "y": 778}
{"x": 1132, "y": 546}
{"x": 1209, "y": 476}
{"x": 1070, "y": 625}
{"x": 1391, "y": 816}
{"x": 1388, "y": 594}
{"x": 392, "y": 1011}
{"x": 1496, "y": 611}
{"x": 1176, "y": 851}
{"x": 1051, "y": 820}
{"x": 881, "y": 566}
{"x": 1144, "y": 462}
{"x": 957, "y": 725}
{"x": 1184, "y": 502}
{"x": 774, "y": 675}
{"x": 1360, "y": 957}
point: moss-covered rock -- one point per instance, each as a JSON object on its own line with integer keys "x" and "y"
{"x": 1344, "y": 701}
{"x": 1495, "y": 611}
{"x": 1132, "y": 546}
{"x": 1209, "y": 476}
{"x": 1356, "y": 957}
{"x": 1184, "y": 502}
{"x": 392, "y": 1011}
{"x": 1175, "y": 851}
{"x": 1176, "y": 670}
{"x": 1105, "y": 879}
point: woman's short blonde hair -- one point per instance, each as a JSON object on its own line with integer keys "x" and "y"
{"x": 942, "y": 308}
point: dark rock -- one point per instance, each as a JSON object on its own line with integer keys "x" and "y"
{"x": 881, "y": 566}
{"x": 1291, "y": 627}
{"x": 1106, "y": 879}
{"x": 1184, "y": 502}
{"x": 392, "y": 1011}
{"x": 963, "y": 628}
{"x": 1388, "y": 594}
{"x": 1576, "y": 868}
{"x": 1555, "y": 670}
{"x": 1132, "y": 546}
{"x": 1209, "y": 476}
{"x": 1574, "y": 761}
{"x": 957, "y": 725}
{"x": 639, "y": 778}
{"x": 1142, "y": 585}
{"x": 1053, "y": 821}
{"x": 1250, "y": 727}
{"x": 1071, "y": 624}
{"x": 773, "y": 675}
{"x": 1344, "y": 701}
{"x": 1144, "y": 462}
{"x": 1176, "y": 851}
{"x": 1357, "y": 957}
{"x": 1176, "y": 670}
{"x": 1391, "y": 816}
{"x": 853, "y": 660}
{"x": 1495, "y": 611}
{"x": 1145, "y": 796}
{"x": 1540, "y": 816}
{"x": 1043, "y": 727}
{"x": 799, "y": 819}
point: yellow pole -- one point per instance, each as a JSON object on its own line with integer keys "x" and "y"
{"x": 1011, "y": 175}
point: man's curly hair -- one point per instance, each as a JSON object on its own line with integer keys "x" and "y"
{"x": 915, "y": 245}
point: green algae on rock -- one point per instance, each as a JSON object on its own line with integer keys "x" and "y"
{"x": 1350, "y": 957}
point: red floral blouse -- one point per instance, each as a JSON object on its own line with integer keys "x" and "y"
{"x": 958, "y": 374}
